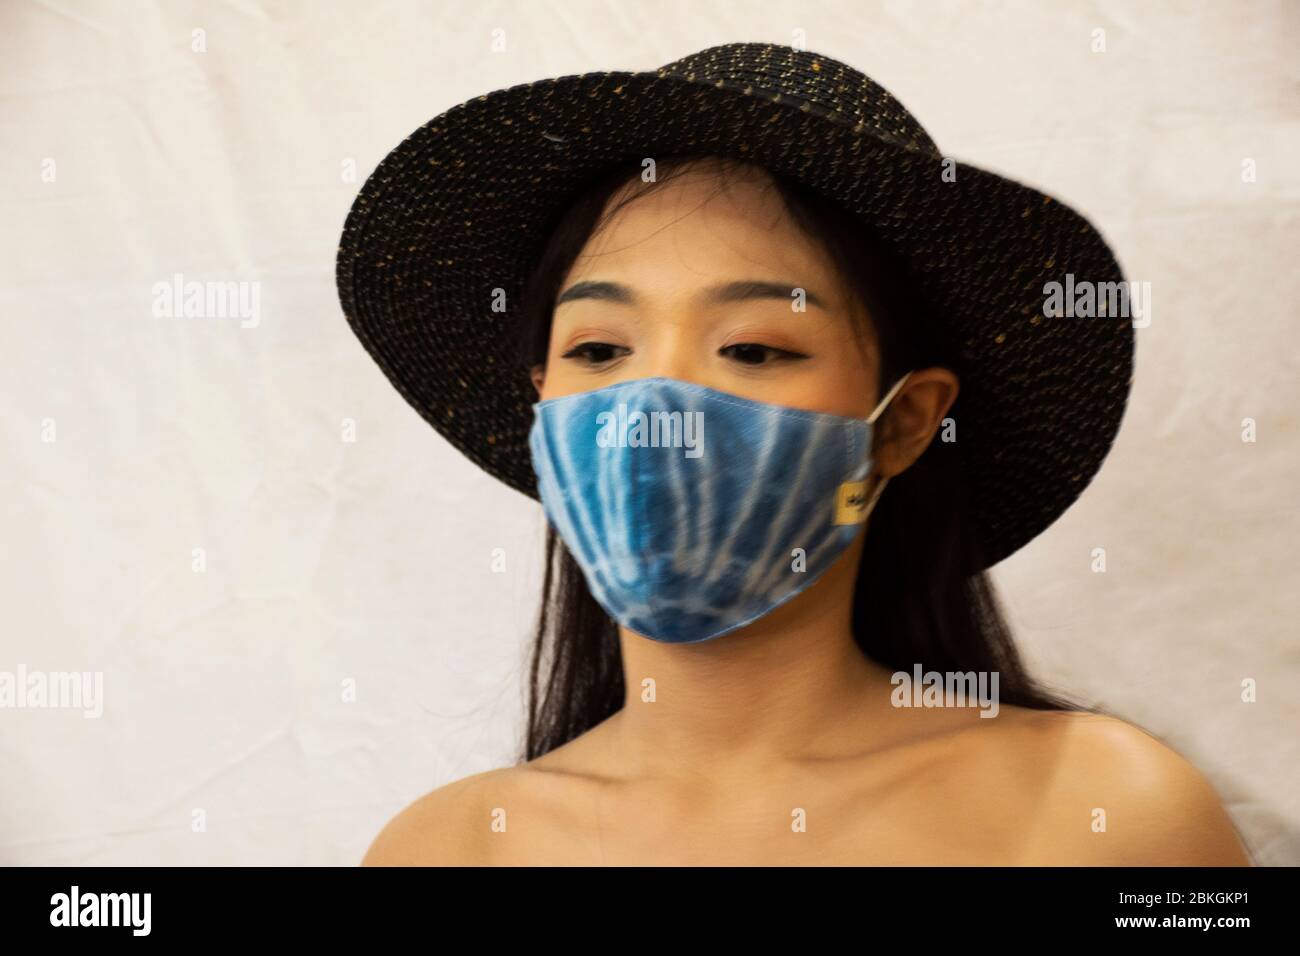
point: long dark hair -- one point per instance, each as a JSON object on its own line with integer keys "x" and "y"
{"x": 914, "y": 600}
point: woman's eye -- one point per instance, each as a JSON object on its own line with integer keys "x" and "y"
{"x": 594, "y": 353}
{"x": 751, "y": 353}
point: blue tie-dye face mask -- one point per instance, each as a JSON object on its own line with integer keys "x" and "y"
{"x": 693, "y": 512}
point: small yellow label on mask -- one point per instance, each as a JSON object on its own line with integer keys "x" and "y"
{"x": 851, "y": 503}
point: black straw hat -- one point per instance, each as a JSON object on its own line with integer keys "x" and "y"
{"x": 462, "y": 207}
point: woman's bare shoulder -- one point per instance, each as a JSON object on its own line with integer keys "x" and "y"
{"x": 448, "y": 826}
{"x": 462, "y": 823}
{"x": 1115, "y": 795}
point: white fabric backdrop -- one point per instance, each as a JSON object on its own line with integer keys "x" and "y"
{"x": 369, "y": 561}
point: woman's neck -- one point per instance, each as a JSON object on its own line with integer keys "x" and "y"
{"x": 791, "y": 685}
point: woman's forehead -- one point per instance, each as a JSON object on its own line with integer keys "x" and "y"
{"x": 702, "y": 225}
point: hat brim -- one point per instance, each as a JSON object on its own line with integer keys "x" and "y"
{"x": 460, "y": 208}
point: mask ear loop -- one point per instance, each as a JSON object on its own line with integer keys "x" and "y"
{"x": 889, "y": 395}
{"x": 871, "y": 420}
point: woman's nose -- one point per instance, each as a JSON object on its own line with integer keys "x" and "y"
{"x": 676, "y": 353}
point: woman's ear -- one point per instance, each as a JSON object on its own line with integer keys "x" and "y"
{"x": 538, "y": 375}
{"x": 915, "y": 415}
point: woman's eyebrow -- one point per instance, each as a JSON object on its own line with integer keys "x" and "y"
{"x": 739, "y": 291}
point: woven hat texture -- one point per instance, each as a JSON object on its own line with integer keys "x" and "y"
{"x": 462, "y": 206}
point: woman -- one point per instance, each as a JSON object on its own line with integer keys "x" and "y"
{"x": 738, "y": 333}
